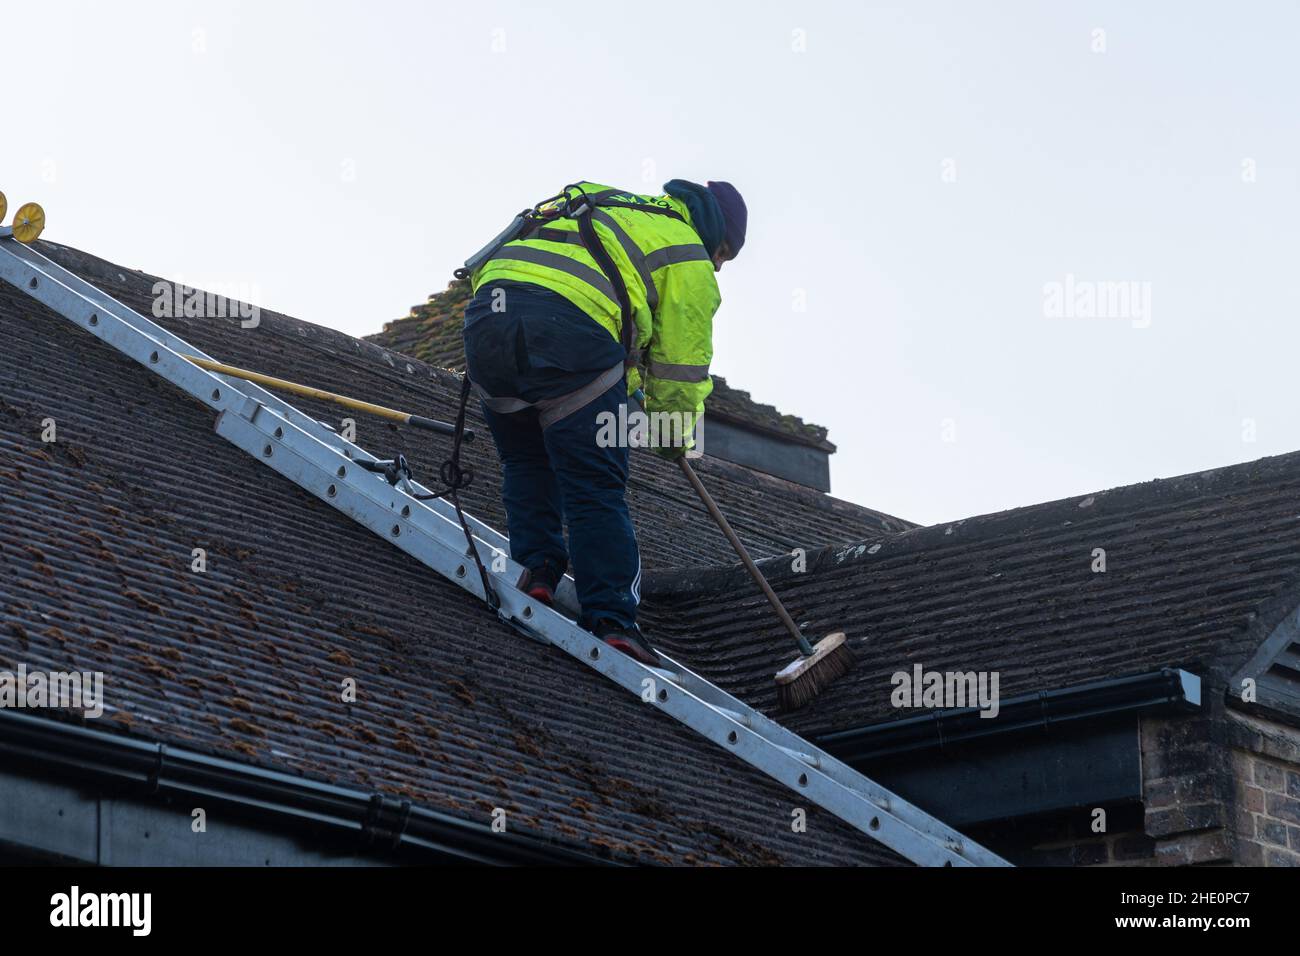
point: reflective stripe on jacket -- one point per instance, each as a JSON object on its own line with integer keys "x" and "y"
{"x": 669, "y": 277}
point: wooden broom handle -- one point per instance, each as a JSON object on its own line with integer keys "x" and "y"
{"x": 745, "y": 559}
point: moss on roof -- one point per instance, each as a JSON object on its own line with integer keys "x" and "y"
{"x": 431, "y": 332}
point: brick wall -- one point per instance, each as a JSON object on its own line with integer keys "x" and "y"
{"x": 1219, "y": 788}
{"x": 1069, "y": 840}
{"x": 1265, "y": 759}
{"x": 1187, "y": 787}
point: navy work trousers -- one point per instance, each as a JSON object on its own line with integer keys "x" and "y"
{"x": 527, "y": 342}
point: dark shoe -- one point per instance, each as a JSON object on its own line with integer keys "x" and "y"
{"x": 629, "y": 640}
{"x": 540, "y": 584}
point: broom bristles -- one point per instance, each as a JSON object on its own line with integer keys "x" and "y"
{"x": 799, "y": 683}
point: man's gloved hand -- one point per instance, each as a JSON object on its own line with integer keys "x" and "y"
{"x": 670, "y": 435}
{"x": 665, "y": 432}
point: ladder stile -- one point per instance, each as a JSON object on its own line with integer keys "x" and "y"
{"x": 322, "y": 462}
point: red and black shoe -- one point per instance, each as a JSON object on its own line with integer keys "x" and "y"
{"x": 540, "y": 584}
{"x": 629, "y": 640}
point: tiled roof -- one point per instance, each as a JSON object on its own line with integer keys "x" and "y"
{"x": 454, "y": 710}
{"x": 432, "y": 332}
{"x": 1198, "y": 571}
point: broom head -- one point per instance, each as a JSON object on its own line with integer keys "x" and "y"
{"x": 806, "y": 677}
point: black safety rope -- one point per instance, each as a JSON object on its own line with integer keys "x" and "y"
{"x": 455, "y": 476}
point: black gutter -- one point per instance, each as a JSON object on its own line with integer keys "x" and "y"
{"x": 1166, "y": 690}
{"x": 376, "y": 822}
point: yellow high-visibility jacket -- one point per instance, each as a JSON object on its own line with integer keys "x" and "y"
{"x": 671, "y": 288}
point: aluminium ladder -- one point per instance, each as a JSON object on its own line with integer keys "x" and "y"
{"x": 316, "y": 458}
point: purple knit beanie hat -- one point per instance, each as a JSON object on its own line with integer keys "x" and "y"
{"x": 734, "y": 214}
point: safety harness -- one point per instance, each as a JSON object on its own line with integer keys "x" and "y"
{"x": 532, "y": 224}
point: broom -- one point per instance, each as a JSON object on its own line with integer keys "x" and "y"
{"x": 392, "y": 414}
{"x": 808, "y": 675}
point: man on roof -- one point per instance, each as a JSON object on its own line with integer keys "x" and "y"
{"x": 590, "y": 297}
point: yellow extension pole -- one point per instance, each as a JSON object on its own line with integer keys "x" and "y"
{"x": 279, "y": 384}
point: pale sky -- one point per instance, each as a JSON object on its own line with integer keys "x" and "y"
{"x": 917, "y": 175}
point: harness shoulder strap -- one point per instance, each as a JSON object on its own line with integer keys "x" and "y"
{"x": 639, "y": 207}
{"x": 596, "y": 249}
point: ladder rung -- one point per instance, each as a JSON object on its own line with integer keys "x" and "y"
{"x": 809, "y": 759}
